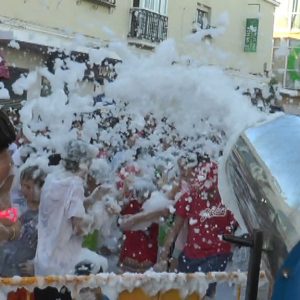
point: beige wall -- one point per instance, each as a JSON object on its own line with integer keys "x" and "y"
{"x": 84, "y": 17}
{"x": 79, "y": 16}
{"x": 231, "y": 44}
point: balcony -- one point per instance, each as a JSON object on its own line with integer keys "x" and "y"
{"x": 147, "y": 27}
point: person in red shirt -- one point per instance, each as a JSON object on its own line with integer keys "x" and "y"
{"x": 140, "y": 228}
{"x": 139, "y": 249}
{"x": 207, "y": 218}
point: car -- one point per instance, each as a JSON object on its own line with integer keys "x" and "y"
{"x": 259, "y": 180}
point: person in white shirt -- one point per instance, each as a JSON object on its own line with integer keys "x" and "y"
{"x": 63, "y": 218}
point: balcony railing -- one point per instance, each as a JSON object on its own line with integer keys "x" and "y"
{"x": 148, "y": 25}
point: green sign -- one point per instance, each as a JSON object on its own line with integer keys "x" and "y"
{"x": 251, "y": 35}
{"x": 293, "y": 63}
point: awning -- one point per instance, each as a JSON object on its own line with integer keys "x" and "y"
{"x": 287, "y": 35}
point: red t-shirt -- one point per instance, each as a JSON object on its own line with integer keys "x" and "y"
{"x": 124, "y": 173}
{"x": 139, "y": 245}
{"x": 208, "y": 218}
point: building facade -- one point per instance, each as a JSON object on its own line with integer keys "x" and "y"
{"x": 243, "y": 31}
{"x": 240, "y": 31}
{"x": 286, "y": 63}
{"x": 287, "y": 44}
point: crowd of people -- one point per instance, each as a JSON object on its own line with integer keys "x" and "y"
{"x": 92, "y": 210}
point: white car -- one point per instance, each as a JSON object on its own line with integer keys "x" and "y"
{"x": 260, "y": 180}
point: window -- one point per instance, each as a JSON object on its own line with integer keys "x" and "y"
{"x": 158, "y": 6}
{"x": 295, "y": 16}
{"x": 286, "y": 69}
{"x": 203, "y": 16}
{"x": 136, "y": 3}
{"x": 202, "y": 19}
{"x": 149, "y": 4}
{"x": 163, "y": 7}
{"x": 149, "y": 21}
{"x": 107, "y": 3}
{"x": 46, "y": 89}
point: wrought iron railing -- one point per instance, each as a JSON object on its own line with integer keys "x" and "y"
{"x": 148, "y": 25}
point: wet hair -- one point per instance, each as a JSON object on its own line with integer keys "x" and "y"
{"x": 100, "y": 170}
{"x": 77, "y": 152}
{"x": 192, "y": 159}
{"x": 25, "y": 151}
{"x": 7, "y": 131}
{"x": 203, "y": 158}
{"x": 70, "y": 165}
{"x": 54, "y": 159}
{"x": 33, "y": 173}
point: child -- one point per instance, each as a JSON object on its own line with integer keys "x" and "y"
{"x": 140, "y": 228}
{"x": 104, "y": 210}
{"x": 14, "y": 254}
{"x": 62, "y": 216}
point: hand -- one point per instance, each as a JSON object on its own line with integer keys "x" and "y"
{"x": 16, "y": 230}
{"x": 105, "y": 251}
{"x": 27, "y": 268}
{"x": 6, "y": 222}
{"x": 165, "y": 212}
{"x": 97, "y": 195}
{"x": 112, "y": 207}
{"x": 161, "y": 266}
{"x": 81, "y": 226}
{"x": 126, "y": 222}
{"x": 100, "y": 191}
{"x": 4, "y": 233}
{"x": 173, "y": 264}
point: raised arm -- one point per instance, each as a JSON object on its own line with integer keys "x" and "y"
{"x": 128, "y": 222}
{"x": 97, "y": 195}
